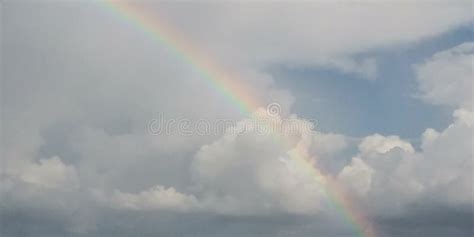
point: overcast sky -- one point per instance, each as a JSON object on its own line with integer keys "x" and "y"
{"x": 381, "y": 94}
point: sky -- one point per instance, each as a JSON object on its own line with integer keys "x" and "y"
{"x": 166, "y": 118}
{"x": 392, "y": 95}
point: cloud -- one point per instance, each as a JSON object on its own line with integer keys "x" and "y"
{"x": 391, "y": 180}
{"x": 358, "y": 175}
{"x": 47, "y": 173}
{"x": 50, "y": 173}
{"x": 446, "y": 78}
{"x": 247, "y": 172}
{"x": 379, "y": 144}
{"x": 449, "y": 161}
{"x": 312, "y": 33}
{"x": 382, "y": 175}
{"x": 394, "y": 177}
{"x": 155, "y": 198}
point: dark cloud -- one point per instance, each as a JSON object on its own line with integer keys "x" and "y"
{"x": 150, "y": 223}
{"x": 430, "y": 220}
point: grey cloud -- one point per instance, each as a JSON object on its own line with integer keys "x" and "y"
{"x": 430, "y": 219}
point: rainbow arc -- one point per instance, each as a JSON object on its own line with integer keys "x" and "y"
{"x": 237, "y": 94}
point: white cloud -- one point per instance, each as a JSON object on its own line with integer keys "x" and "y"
{"x": 357, "y": 176}
{"x": 317, "y": 33}
{"x": 246, "y": 171}
{"x": 448, "y": 158}
{"x": 51, "y": 173}
{"x": 379, "y": 144}
{"x": 390, "y": 175}
{"x": 157, "y": 197}
{"x": 446, "y": 78}
{"x": 382, "y": 175}
{"x": 46, "y": 173}
{"x": 326, "y": 144}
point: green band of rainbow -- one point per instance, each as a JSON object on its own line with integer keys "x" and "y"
{"x": 238, "y": 94}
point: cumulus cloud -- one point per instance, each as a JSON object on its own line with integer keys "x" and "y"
{"x": 380, "y": 144}
{"x": 393, "y": 179}
{"x": 394, "y": 176}
{"x": 246, "y": 171}
{"x": 449, "y": 160}
{"x": 46, "y": 173}
{"x": 447, "y": 79}
{"x": 50, "y": 173}
{"x": 358, "y": 176}
{"x": 382, "y": 174}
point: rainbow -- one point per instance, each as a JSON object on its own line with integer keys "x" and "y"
{"x": 227, "y": 84}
